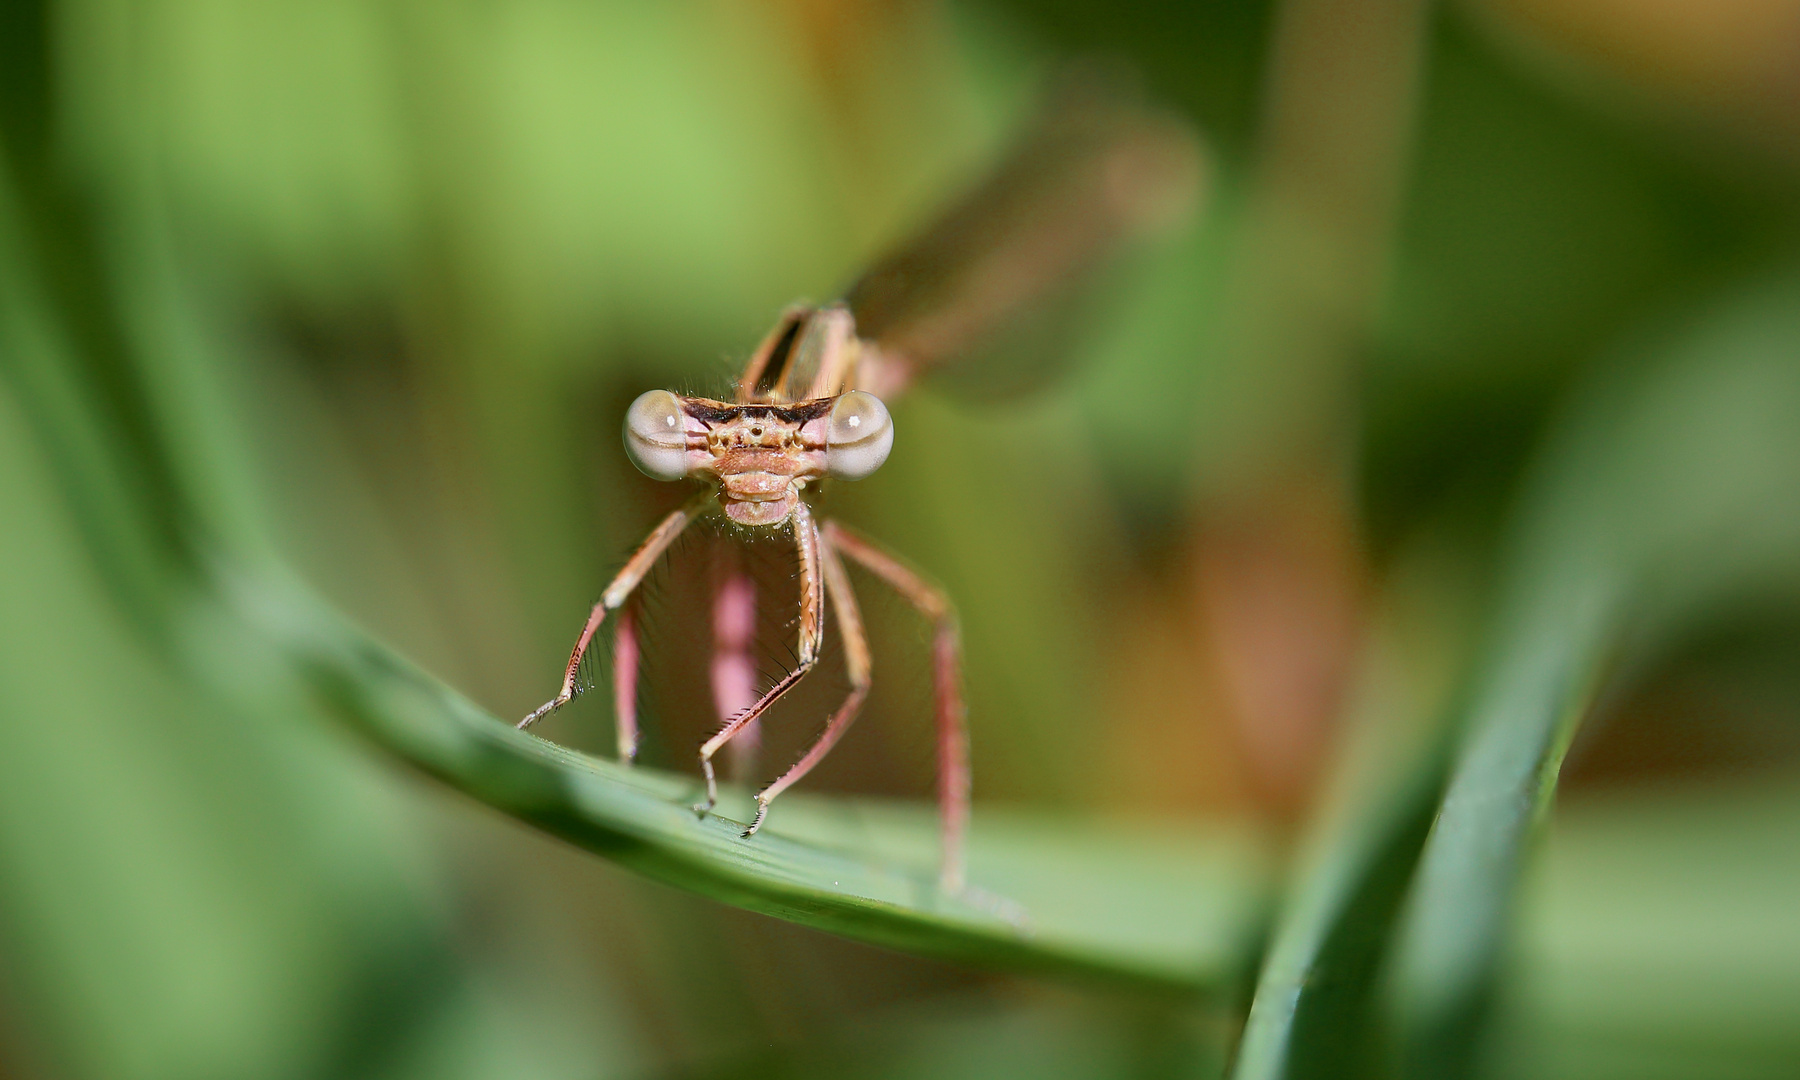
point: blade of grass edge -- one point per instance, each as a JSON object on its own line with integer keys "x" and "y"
{"x": 840, "y": 865}
{"x": 1607, "y": 548}
{"x": 1672, "y": 492}
{"x": 1311, "y": 1012}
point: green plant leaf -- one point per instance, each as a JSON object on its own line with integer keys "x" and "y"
{"x": 1170, "y": 907}
{"x": 1313, "y": 1013}
{"x": 1670, "y": 492}
{"x": 1672, "y": 495}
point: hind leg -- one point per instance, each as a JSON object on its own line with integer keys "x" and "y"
{"x": 952, "y": 716}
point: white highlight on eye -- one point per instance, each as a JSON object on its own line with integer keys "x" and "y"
{"x": 656, "y": 435}
{"x": 859, "y": 437}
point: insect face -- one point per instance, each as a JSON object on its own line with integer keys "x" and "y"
{"x": 761, "y": 455}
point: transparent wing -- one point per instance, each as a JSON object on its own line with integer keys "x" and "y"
{"x": 1095, "y": 167}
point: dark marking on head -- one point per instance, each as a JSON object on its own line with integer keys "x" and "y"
{"x": 802, "y": 411}
{"x": 710, "y": 412}
{"x": 718, "y": 412}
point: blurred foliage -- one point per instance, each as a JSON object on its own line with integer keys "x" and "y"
{"x": 1462, "y": 414}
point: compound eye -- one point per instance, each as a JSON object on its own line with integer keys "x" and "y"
{"x": 656, "y": 435}
{"x": 860, "y": 436}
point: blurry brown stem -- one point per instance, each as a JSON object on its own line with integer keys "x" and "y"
{"x": 1314, "y": 244}
{"x": 1278, "y": 564}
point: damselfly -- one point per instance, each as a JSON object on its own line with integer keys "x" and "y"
{"x": 808, "y": 407}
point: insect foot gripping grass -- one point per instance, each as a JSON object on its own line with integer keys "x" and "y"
{"x": 1093, "y": 171}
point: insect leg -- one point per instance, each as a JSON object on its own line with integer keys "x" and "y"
{"x": 952, "y": 716}
{"x": 615, "y": 596}
{"x": 812, "y": 626}
{"x": 856, "y": 659}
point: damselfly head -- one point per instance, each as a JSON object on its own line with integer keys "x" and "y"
{"x": 761, "y": 454}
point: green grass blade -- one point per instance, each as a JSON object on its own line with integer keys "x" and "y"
{"x": 1312, "y": 1014}
{"x": 1673, "y": 488}
{"x": 1673, "y": 493}
{"x": 1170, "y": 908}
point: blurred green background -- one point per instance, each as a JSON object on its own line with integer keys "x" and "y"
{"x": 388, "y": 272}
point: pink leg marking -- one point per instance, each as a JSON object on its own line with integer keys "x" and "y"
{"x": 733, "y": 671}
{"x": 625, "y": 681}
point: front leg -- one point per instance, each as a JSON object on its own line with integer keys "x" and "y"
{"x": 857, "y": 664}
{"x": 616, "y": 594}
{"x": 812, "y": 627}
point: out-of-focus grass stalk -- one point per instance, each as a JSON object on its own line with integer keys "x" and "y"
{"x": 1280, "y": 574}
{"x": 1667, "y": 497}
